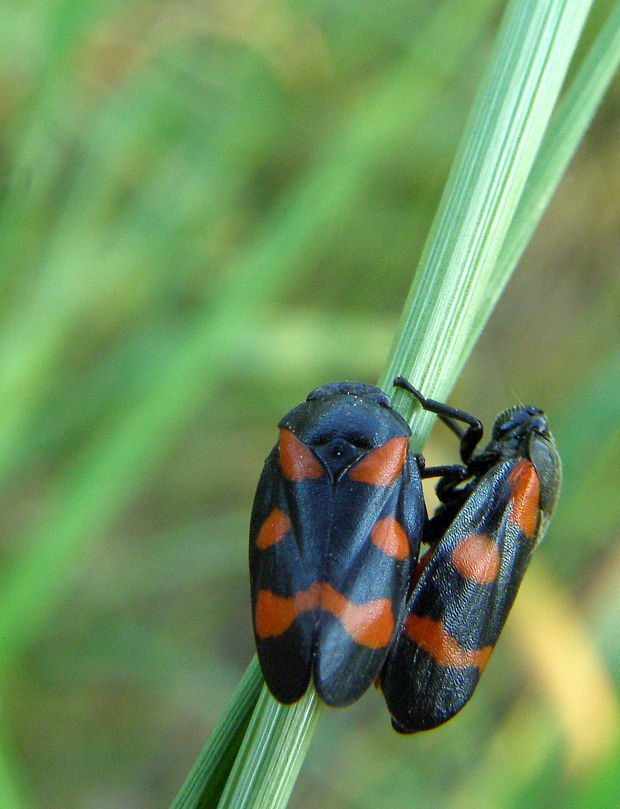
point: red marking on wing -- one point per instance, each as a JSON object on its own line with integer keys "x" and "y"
{"x": 381, "y": 466}
{"x": 273, "y": 529}
{"x": 476, "y": 557}
{"x": 525, "y": 503}
{"x": 370, "y": 624}
{"x": 431, "y": 636}
{"x": 389, "y": 536}
{"x": 297, "y": 462}
{"x": 274, "y": 614}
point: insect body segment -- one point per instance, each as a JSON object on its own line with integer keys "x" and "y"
{"x": 335, "y": 530}
{"x": 482, "y": 537}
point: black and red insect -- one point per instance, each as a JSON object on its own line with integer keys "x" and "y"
{"x": 334, "y": 538}
{"x": 494, "y": 511}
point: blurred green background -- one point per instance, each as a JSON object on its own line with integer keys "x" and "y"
{"x": 208, "y": 209}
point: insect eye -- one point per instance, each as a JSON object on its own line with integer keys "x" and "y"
{"x": 539, "y": 425}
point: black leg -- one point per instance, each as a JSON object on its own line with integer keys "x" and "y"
{"x": 446, "y": 488}
{"x": 455, "y": 472}
{"x": 472, "y": 435}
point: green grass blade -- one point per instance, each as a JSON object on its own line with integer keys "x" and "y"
{"x": 457, "y": 283}
{"x": 566, "y": 128}
{"x": 271, "y": 754}
{"x": 452, "y": 294}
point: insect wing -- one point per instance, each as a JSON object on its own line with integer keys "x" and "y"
{"x": 286, "y": 557}
{"x": 377, "y": 519}
{"x": 461, "y": 599}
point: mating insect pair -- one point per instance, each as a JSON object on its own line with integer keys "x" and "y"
{"x": 338, "y": 594}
